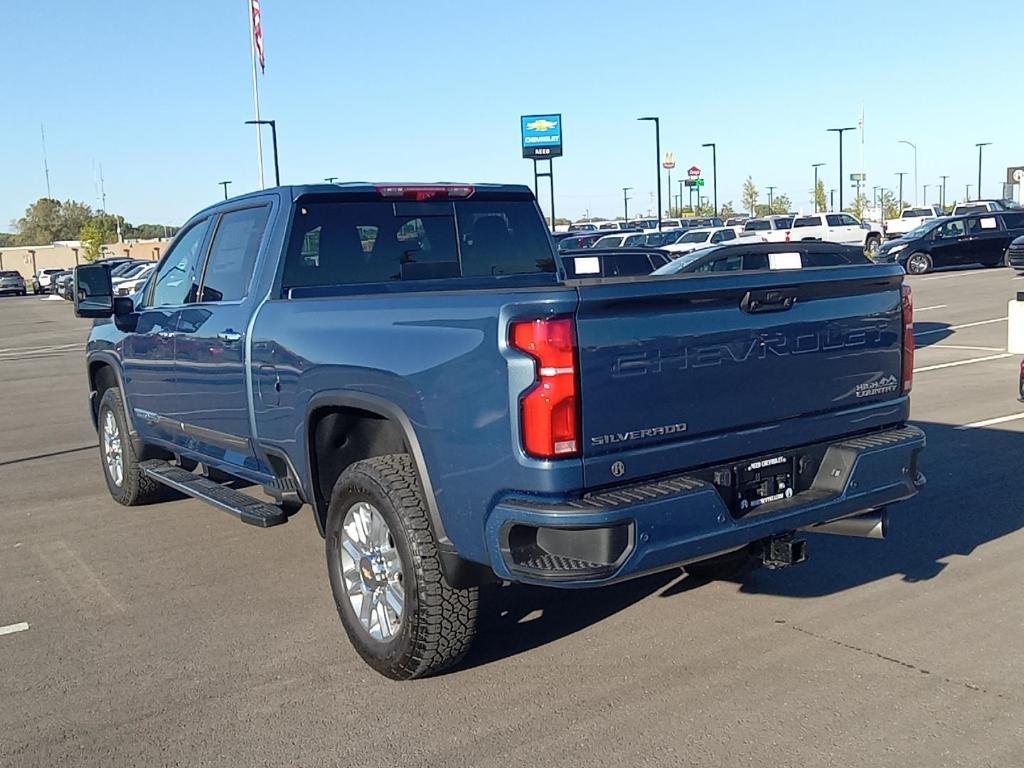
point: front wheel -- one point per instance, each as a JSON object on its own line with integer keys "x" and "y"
{"x": 399, "y": 612}
{"x": 871, "y": 247}
{"x": 919, "y": 264}
{"x": 126, "y": 481}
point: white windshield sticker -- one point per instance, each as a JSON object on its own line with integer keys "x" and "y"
{"x": 988, "y": 223}
{"x": 788, "y": 260}
{"x": 588, "y": 265}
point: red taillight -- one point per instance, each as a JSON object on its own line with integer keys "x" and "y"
{"x": 908, "y": 339}
{"x": 787, "y": 235}
{"x": 549, "y": 418}
{"x": 420, "y": 192}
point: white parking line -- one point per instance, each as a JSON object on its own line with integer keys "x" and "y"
{"x": 960, "y": 346}
{"x": 926, "y": 309}
{"x": 10, "y": 629}
{"x": 962, "y": 362}
{"x": 961, "y": 273}
{"x": 990, "y": 422}
{"x": 958, "y": 327}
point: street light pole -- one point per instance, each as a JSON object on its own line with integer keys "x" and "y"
{"x": 225, "y": 185}
{"x": 770, "y": 191}
{"x": 714, "y": 173}
{"x": 968, "y": 198}
{"x": 841, "y": 131}
{"x": 330, "y": 179}
{"x": 914, "y": 146}
{"x": 942, "y": 197}
{"x": 625, "y": 203}
{"x": 273, "y": 132}
{"x": 831, "y": 199}
{"x": 901, "y": 174}
{"x": 681, "y": 185}
{"x": 816, "y": 166}
{"x": 979, "y": 146}
{"x": 925, "y": 201}
{"x": 657, "y": 158}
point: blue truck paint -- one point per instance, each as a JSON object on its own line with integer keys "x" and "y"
{"x": 434, "y": 356}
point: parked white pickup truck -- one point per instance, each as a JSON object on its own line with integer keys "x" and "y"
{"x": 836, "y": 228}
{"x": 910, "y": 218}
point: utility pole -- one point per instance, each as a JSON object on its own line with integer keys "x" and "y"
{"x": 980, "y": 145}
{"x": 225, "y": 185}
{"x": 816, "y": 166}
{"x": 625, "y": 203}
{"x": 901, "y": 174}
{"x": 942, "y": 195}
{"x": 714, "y": 172}
{"x": 841, "y": 131}
{"x": 46, "y": 164}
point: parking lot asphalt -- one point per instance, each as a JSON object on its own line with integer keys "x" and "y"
{"x": 174, "y": 635}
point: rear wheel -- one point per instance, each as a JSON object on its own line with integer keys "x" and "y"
{"x": 399, "y": 612}
{"x": 919, "y": 263}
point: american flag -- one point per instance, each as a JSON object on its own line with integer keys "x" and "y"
{"x": 257, "y": 32}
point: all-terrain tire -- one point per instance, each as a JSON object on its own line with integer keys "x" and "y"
{"x": 438, "y": 622}
{"x": 133, "y": 488}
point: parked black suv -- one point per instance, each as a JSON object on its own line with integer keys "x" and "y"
{"x": 979, "y": 238}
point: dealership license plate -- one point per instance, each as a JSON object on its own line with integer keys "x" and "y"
{"x": 764, "y": 481}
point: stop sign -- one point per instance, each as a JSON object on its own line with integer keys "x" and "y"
{"x": 694, "y": 172}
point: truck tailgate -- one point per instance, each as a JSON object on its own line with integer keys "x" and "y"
{"x": 669, "y": 367}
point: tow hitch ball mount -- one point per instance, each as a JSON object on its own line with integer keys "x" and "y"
{"x": 783, "y": 551}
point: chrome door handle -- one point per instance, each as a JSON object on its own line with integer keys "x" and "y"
{"x": 229, "y": 336}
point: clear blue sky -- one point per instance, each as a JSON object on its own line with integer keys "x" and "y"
{"x": 402, "y": 90}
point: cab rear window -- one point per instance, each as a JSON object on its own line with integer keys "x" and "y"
{"x": 343, "y": 243}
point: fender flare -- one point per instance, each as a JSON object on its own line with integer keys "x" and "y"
{"x": 387, "y": 410}
{"x": 113, "y": 362}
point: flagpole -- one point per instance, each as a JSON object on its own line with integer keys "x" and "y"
{"x": 256, "y": 95}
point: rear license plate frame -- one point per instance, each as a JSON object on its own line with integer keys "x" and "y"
{"x": 760, "y": 483}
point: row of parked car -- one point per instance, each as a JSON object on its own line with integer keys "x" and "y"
{"x": 127, "y": 276}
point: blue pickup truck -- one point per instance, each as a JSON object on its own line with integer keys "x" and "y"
{"x": 413, "y": 363}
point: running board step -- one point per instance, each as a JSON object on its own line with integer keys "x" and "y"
{"x": 245, "y": 508}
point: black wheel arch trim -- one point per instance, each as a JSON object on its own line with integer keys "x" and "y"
{"x": 111, "y": 360}
{"x": 388, "y": 410}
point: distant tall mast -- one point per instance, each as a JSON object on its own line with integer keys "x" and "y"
{"x": 46, "y": 165}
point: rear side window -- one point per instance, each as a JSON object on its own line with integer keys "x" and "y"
{"x": 233, "y": 254}
{"x": 806, "y": 221}
{"x": 1013, "y": 220}
{"x": 343, "y": 243}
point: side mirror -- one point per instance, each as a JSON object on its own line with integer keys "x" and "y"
{"x": 94, "y": 295}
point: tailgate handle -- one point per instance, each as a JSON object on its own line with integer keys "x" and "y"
{"x": 772, "y": 300}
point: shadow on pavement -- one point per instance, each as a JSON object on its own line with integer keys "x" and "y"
{"x": 926, "y": 334}
{"x": 969, "y": 500}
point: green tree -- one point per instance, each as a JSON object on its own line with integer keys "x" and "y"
{"x": 8, "y": 240}
{"x": 97, "y": 232}
{"x": 781, "y": 204}
{"x": 820, "y": 198}
{"x": 749, "y": 198}
{"x": 727, "y": 210}
{"x": 41, "y": 223}
{"x": 73, "y": 216}
{"x": 890, "y": 206}
{"x": 860, "y": 202}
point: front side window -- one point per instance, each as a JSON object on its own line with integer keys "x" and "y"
{"x": 951, "y": 229}
{"x": 233, "y": 254}
{"x": 695, "y": 237}
{"x": 176, "y": 279}
{"x": 849, "y": 221}
{"x": 834, "y": 220}
{"x": 612, "y": 241}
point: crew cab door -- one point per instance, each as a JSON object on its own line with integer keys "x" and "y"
{"x": 212, "y": 402}
{"x": 147, "y": 355}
